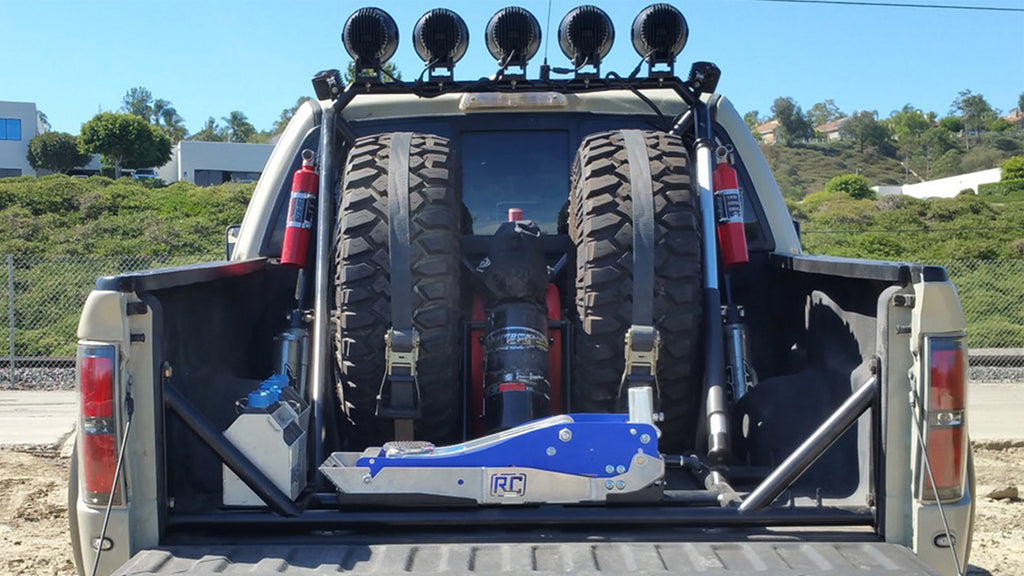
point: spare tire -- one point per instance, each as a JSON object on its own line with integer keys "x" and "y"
{"x": 363, "y": 287}
{"x": 601, "y": 227}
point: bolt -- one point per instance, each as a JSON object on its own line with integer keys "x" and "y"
{"x": 609, "y": 484}
{"x": 609, "y": 469}
{"x": 367, "y": 479}
{"x": 621, "y": 484}
{"x": 645, "y": 438}
{"x": 565, "y": 434}
{"x": 632, "y": 431}
{"x": 640, "y": 460}
{"x": 620, "y": 469}
{"x": 550, "y": 451}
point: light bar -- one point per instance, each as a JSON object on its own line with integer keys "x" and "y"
{"x": 586, "y": 35}
{"x": 440, "y": 38}
{"x": 660, "y": 33}
{"x": 513, "y": 36}
{"x": 371, "y": 38}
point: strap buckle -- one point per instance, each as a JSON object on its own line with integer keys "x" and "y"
{"x": 399, "y": 395}
{"x": 642, "y": 345}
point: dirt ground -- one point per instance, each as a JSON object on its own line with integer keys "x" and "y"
{"x": 34, "y": 526}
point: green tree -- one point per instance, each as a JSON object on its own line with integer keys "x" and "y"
{"x": 125, "y": 141}
{"x": 865, "y": 129}
{"x": 138, "y": 101}
{"x": 238, "y": 128}
{"x": 975, "y": 111}
{"x": 952, "y": 124}
{"x": 824, "y": 112}
{"x": 854, "y": 185}
{"x": 793, "y": 124}
{"x": 211, "y": 132}
{"x": 1020, "y": 103}
{"x": 908, "y": 123}
{"x": 167, "y": 118}
{"x": 43, "y": 120}
{"x": 287, "y": 114}
{"x": 56, "y": 151}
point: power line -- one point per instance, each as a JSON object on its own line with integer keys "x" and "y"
{"x": 898, "y": 5}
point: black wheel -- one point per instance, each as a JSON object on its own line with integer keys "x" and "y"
{"x": 362, "y": 286}
{"x": 600, "y": 224}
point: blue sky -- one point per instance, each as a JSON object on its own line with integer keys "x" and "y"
{"x": 75, "y": 58}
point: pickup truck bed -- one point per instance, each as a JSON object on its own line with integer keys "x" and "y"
{"x": 537, "y": 558}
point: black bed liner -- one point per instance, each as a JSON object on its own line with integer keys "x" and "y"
{"x": 651, "y": 557}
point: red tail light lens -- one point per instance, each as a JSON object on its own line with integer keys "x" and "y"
{"x": 98, "y": 424}
{"x": 946, "y": 434}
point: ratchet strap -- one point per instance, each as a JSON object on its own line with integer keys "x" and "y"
{"x": 642, "y": 339}
{"x": 399, "y": 396}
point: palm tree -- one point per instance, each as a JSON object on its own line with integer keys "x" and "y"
{"x": 239, "y": 128}
{"x": 43, "y": 120}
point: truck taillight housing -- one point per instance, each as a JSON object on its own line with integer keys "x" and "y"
{"x": 945, "y": 423}
{"x": 98, "y": 423}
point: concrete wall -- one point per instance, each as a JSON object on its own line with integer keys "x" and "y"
{"x": 222, "y": 161}
{"x": 943, "y": 187}
{"x": 14, "y": 153}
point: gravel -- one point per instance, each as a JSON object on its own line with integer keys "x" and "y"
{"x": 42, "y": 378}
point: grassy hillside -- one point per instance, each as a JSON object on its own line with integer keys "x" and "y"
{"x": 62, "y": 216}
{"x": 805, "y": 168}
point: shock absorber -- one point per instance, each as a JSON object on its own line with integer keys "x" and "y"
{"x": 516, "y": 386}
{"x": 732, "y": 240}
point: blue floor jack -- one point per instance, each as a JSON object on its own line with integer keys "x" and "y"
{"x": 566, "y": 459}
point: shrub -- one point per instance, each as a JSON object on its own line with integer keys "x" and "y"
{"x": 1013, "y": 169}
{"x": 854, "y": 185}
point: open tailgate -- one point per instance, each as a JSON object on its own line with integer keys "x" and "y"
{"x": 707, "y": 558}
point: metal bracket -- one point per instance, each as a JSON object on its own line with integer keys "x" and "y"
{"x": 399, "y": 395}
{"x": 642, "y": 345}
{"x": 401, "y": 350}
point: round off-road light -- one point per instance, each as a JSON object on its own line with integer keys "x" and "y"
{"x": 660, "y": 33}
{"x": 586, "y": 35}
{"x": 370, "y": 36}
{"x": 440, "y": 38}
{"x": 513, "y": 36}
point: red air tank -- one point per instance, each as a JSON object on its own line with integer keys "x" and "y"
{"x": 301, "y": 212}
{"x": 732, "y": 238}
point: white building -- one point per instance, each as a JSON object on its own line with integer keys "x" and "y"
{"x": 212, "y": 163}
{"x": 943, "y": 187}
{"x": 19, "y": 123}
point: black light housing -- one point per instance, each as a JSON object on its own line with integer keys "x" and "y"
{"x": 440, "y": 38}
{"x": 513, "y": 36}
{"x": 371, "y": 38}
{"x": 660, "y": 33}
{"x": 586, "y": 35}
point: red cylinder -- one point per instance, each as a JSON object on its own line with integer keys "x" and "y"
{"x": 732, "y": 238}
{"x": 515, "y": 214}
{"x": 301, "y": 213}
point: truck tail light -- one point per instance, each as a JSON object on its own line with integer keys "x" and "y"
{"x": 946, "y": 434}
{"x": 96, "y": 367}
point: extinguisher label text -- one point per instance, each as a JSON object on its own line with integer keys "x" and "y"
{"x": 300, "y": 211}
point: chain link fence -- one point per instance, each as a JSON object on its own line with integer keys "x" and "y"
{"x": 42, "y": 300}
{"x": 43, "y": 297}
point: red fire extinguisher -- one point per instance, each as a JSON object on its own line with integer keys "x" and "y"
{"x": 732, "y": 239}
{"x": 301, "y": 211}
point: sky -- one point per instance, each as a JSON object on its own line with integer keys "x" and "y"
{"x": 208, "y": 57}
